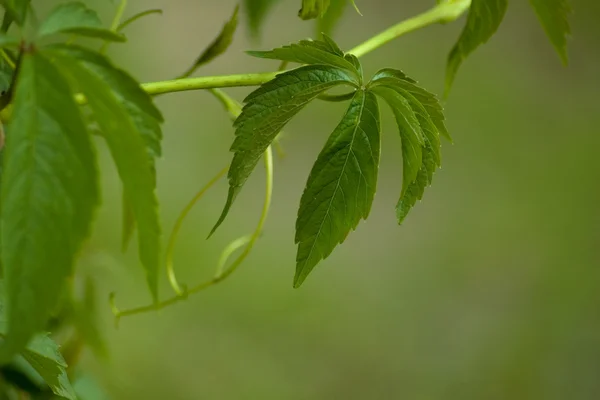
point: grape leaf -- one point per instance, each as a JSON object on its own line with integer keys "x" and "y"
{"x": 312, "y": 9}
{"x": 49, "y": 192}
{"x": 76, "y": 18}
{"x": 219, "y": 45}
{"x": 16, "y": 10}
{"x": 327, "y": 22}
{"x": 554, "y": 17}
{"x": 485, "y": 16}
{"x": 324, "y": 52}
{"x": 256, "y": 11}
{"x": 341, "y": 185}
{"x": 268, "y": 109}
{"x": 121, "y": 108}
{"x": 428, "y": 112}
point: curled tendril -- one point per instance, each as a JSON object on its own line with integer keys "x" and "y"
{"x": 229, "y": 250}
{"x": 180, "y": 290}
{"x": 221, "y": 272}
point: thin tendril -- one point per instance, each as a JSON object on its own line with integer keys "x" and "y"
{"x": 134, "y": 18}
{"x": 177, "y": 227}
{"x": 229, "y": 250}
{"x": 268, "y": 158}
{"x": 115, "y": 23}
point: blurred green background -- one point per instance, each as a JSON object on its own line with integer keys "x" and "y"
{"x": 489, "y": 290}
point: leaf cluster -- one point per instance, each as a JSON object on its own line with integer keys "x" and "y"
{"x": 61, "y": 100}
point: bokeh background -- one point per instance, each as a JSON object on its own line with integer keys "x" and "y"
{"x": 489, "y": 290}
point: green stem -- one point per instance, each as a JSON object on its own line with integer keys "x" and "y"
{"x": 115, "y": 23}
{"x": 118, "y": 15}
{"x": 442, "y": 13}
{"x": 208, "y": 82}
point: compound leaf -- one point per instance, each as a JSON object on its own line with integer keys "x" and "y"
{"x": 483, "y": 21}
{"x": 49, "y": 192}
{"x": 120, "y": 108}
{"x": 219, "y": 45}
{"x": 554, "y": 17}
{"x": 76, "y": 18}
{"x": 268, "y": 109}
{"x": 325, "y": 52}
{"x": 341, "y": 185}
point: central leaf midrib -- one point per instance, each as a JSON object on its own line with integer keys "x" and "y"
{"x": 316, "y": 236}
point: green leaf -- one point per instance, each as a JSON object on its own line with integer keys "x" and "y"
{"x": 219, "y": 45}
{"x": 483, "y": 21}
{"x": 428, "y": 100}
{"x": 314, "y": 52}
{"x": 138, "y": 16}
{"x": 256, "y": 11}
{"x": 128, "y": 224}
{"x": 411, "y": 134}
{"x": 268, "y": 109}
{"x": 416, "y": 189}
{"x": 44, "y": 356}
{"x": 49, "y": 193}
{"x": 146, "y": 117}
{"x": 41, "y": 363}
{"x": 428, "y": 112}
{"x": 121, "y": 108}
{"x": 327, "y": 22}
{"x": 312, "y": 9}
{"x": 16, "y": 10}
{"x": 76, "y": 18}
{"x": 341, "y": 185}
{"x": 554, "y": 17}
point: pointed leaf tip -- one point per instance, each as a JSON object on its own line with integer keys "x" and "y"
{"x": 268, "y": 109}
{"x": 341, "y": 185}
{"x": 485, "y": 16}
{"x": 554, "y": 17}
